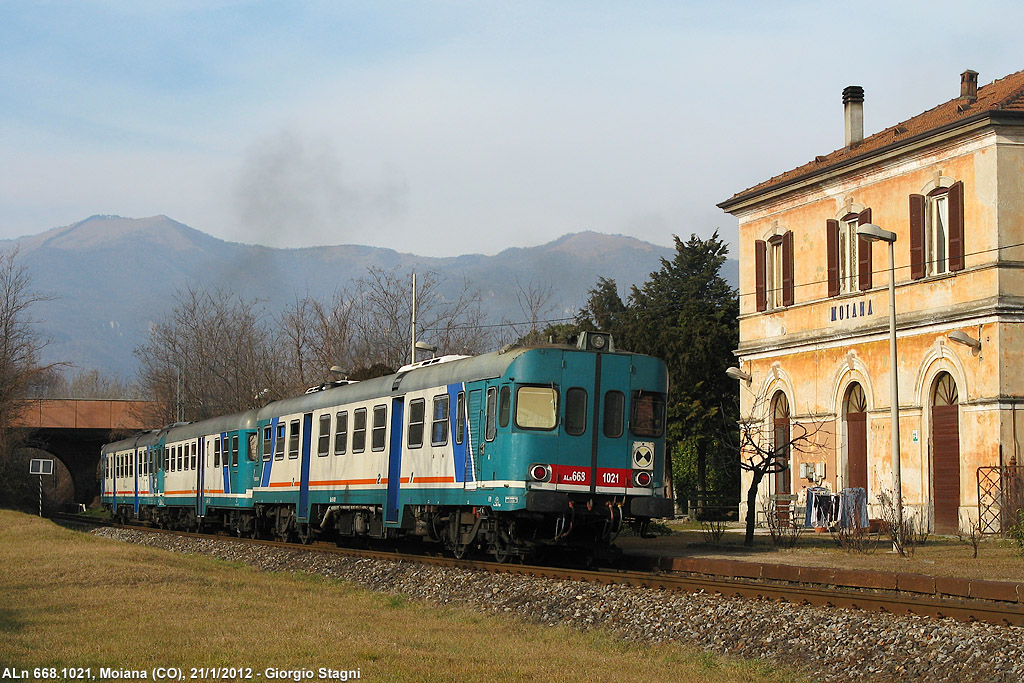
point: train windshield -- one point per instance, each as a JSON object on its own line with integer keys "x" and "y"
{"x": 536, "y": 407}
{"x": 648, "y": 414}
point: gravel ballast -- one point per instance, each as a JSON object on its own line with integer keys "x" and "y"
{"x": 832, "y": 644}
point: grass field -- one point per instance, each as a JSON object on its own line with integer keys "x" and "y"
{"x": 68, "y": 599}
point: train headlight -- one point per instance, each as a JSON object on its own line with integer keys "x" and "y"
{"x": 643, "y": 479}
{"x": 540, "y": 472}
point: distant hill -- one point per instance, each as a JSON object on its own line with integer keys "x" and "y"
{"x": 113, "y": 276}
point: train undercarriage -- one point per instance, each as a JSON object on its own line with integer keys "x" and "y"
{"x": 584, "y": 528}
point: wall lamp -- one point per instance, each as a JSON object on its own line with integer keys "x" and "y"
{"x": 965, "y": 339}
{"x": 736, "y": 373}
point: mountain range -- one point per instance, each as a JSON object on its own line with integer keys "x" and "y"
{"x": 111, "y": 277}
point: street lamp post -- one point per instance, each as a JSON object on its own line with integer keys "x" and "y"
{"x": 874, "y": 233}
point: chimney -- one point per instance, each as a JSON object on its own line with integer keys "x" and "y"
{"x": 969, "y": 85}
{"x": 853, "y": 113}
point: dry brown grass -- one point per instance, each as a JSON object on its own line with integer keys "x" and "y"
{"x": 998, "y": 559}
{"x": 70, "y": 599}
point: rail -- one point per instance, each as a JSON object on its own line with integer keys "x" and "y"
{"x": 697, "y": 580}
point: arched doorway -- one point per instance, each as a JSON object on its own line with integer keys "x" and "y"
{"x": 946, "y": 454}
{"x": 780, "y": 442}
{"x": 855, "y": 407}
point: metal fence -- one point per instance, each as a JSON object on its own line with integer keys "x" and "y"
{"x": 1000, "y": 497}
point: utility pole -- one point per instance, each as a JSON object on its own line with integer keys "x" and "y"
{"x": 412, "y": 348}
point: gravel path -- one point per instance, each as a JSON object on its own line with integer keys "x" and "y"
{"x": 833, "y": 644}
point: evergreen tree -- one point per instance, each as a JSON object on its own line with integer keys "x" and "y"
{"x": 686, "y": 314}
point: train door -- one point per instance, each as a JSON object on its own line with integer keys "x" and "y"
{"x": 136, "y": 461}
{"x": 231, "y": 457}
{"x": 474, "y": 436}
{"x": 391, "y": 506}
{"x": 307, "y": 439}
{"x": 577, "y": 460}
{"x": 201, "y": 483}
{"x": 158, "y": 469}
{"x": 618, "y": 453}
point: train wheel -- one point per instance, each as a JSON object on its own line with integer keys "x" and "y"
{"x": 503, "y": 546}
{"x": 455, "y": 543}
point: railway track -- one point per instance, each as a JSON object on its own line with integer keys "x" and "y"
{"x": 894, "y": 602}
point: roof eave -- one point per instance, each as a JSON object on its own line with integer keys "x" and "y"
{"x": 979, "y": 120}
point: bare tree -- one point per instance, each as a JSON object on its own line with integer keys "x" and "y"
{"x": 535, "y": 302}
{"x": 213, "y": 353}
{"x": 314, "y": 336}
{"x": 766, "y": 448}
{"x": 21, "y": 345}
{"x": 82, "y": 384}
{"x": 383, "y": 311}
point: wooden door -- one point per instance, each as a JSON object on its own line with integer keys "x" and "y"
{"x": 946, "y": 468}
{"x": 857, "y": 450}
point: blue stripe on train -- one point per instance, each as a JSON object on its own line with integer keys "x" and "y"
{"x": 225, "y": 461}
{"x": 458, "y": 449}
{"x": 265, "y": 481}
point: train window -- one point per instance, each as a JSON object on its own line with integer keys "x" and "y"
{"x": 293, "y": 439}
{"x": 195, "y": 460}
{"x": 614, "y": 412}
{"x": 279, "y": 445}
{"x": 234, "y": 450}
{"x": 341, "y": 432}
{"x": 251, "y": 453}
{"x": 460, "y": 417}
{"x": 268, "y": 442}
{"x": 648, "y": 414}
{"x": 414, "y": 435}
{"x": 323, "y": 439}
{"x": 216, "y": 451}
{"x": 380, "y": 425}
{"x": 131, "y": 466}
{"x": 439, "y": 428}
{"x": 177, "y": 454}
{"x": 536, "y": 407}
{"x": 504, "y": 406}
{"x": 490, "y": 429}
{"x": 359, "y": 431}
{"x": 575, "y": 411}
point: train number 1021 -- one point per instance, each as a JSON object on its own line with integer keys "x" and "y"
{"x": 610, "y": 479}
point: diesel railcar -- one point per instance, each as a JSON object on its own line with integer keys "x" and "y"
{"x": 505, "y": 453}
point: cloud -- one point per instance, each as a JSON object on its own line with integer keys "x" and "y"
{"x": 291, "y": 186}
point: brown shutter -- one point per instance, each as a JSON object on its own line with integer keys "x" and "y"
{"x": 956, "y": 226}
{"x": 832, "y": 241}
{"x": 760, "y": 257}
{"x": 917, "y": 269}
{"x": 864, "y": 253}
{"x": 787, "y": 269}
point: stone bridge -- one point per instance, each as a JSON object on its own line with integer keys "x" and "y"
{"x": 73, "y": 430}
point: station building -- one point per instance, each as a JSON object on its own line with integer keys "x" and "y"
{"x": 814, "y": 304}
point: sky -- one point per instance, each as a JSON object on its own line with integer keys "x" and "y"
{"x": 444, "y": 128}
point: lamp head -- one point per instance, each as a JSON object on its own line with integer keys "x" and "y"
{"x": 872, "y": 232}
{"x": 736, "y": 373}
{"x": 965, "y": 339}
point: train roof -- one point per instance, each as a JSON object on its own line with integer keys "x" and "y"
{"x": 468, "y": 369}
{"x": 409, "y": 378}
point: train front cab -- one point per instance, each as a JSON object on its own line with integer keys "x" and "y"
{"x": 591, "y": 446}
